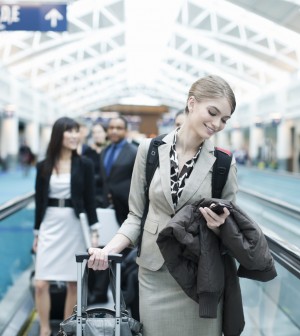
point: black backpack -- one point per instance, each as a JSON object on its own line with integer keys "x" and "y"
{"x": 219, "y": 175}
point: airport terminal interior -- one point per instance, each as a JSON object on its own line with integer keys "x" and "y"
{"x": 93, "y": 60}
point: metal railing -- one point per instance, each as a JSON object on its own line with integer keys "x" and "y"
{"x": 288, "y": 208}
{"x": 286, "y": 254}
{"x": 15, "y": 205}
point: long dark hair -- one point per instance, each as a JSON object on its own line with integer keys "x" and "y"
{"x": 55, "y": 144}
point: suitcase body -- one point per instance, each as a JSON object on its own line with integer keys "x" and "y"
{"x": 98, "y": 321}
{"x": 81, "y": 306}
{"x": 108, "y": 227}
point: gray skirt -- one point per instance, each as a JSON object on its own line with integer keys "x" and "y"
{"x": 165, "y": 310}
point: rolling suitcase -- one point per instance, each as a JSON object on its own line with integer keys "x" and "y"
{"x": 97, "y": 321}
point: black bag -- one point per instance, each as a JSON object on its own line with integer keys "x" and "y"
{"x": 100, "y": 321}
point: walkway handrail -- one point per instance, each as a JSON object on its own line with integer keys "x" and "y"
{"x": 286, "y": 254}
{"x": 12, "y": 206}
{"x": 276, "y": 202}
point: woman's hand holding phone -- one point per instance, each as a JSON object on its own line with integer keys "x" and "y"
{"x": 218, "y": 208}
{"x": 215, "y": 215}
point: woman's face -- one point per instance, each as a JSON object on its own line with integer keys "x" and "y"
{"x": 208, "y": 117}
{"x": 99, "y": 134}
{"x": 71, "y": 139}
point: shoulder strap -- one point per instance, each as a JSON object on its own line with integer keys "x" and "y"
{"x": 153, "y": 159}
{"x": 220, "y": 171}
{"x": 151, "y": 165}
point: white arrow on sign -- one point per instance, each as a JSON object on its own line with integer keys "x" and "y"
{"x": 53, "y": 16}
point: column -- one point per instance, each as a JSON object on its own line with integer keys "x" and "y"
{"x": 284, "y": 145}
{"x": 256, "y": 142}
{"x": 45, "y": 138}
{"x": 32, "y": 136}
{"x": 9, "y": 141}
{"x": 222, "y": 140}
{"x": 237, "y": 139}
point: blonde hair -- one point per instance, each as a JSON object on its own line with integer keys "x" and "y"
{"x": 212, "y": 87}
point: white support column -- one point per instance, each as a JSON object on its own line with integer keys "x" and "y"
{"x": 9, "y": 141}
{"x": 222, "y": 140}
{"x": 45, "y": 138}
{"x": 284, "y": 144}
{"x": 256, "y": 141}
{"x": 32, "y": 136}
{"x": 237, "y": 139}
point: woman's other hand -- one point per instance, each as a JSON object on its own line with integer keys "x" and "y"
{"x": 98, "y": 259}
{"x": 213, "y": 220}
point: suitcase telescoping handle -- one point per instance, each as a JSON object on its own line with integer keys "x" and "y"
{"x": 115, "y": 258}
{"x": 80, "y": 257}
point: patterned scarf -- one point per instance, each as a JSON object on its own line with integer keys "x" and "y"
{"x": 178, "y": 179}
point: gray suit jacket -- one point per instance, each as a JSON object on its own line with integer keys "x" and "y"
{"x": 161, "y": 208}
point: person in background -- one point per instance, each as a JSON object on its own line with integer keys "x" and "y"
{"x": 26, "y": 158}
{"x": 93, "y": 152}
{"x": 179, "y": 118}
{"x": 64, "y": 188}
{"x": 98, "y": 282}
{"x": 183, "y": 177}
{"x": 117, "y": 161}
{"x": 83, "y": 134}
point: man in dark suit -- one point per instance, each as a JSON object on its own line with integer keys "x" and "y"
{"x": 117, "y": 161}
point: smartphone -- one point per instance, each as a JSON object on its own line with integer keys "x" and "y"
{"x": 218, "y": 207}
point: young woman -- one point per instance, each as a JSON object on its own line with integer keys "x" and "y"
{"x": 183, "y": 177}
{"x": 64, "y": 188}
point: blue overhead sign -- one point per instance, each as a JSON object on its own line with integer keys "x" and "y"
{"x": 33, "y": 17}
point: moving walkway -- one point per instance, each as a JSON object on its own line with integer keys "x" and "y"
{"x": 270, "y": 308}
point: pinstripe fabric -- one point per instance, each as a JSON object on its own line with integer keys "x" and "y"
{"x": 175, "y": 314}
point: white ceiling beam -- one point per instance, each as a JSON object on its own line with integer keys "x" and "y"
{"x": 95, "y": 100}
{"x": 93, "y": 78}
{"x": 193, "y": 36}
{"x": 85, "y": 41}
{"x": 92, "y": 89}
{"x": 255, "y": 23}
{"x": 113, "y": 57}
{"x": 84, "y": 7}
{"x": 211, "y": 68}
{"x": 242, "y": 17}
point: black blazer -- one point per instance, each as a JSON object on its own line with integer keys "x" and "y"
{"x": 118, "y": 182}
{"x": 82, "y": 190}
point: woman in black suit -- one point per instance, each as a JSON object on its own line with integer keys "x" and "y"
{"x": 64, "y": 188}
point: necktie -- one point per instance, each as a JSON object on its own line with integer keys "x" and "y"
{"x": 110, "y": 159}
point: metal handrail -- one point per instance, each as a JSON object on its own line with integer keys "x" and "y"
{"x": 17, "y": 203}
{"x": 286, "y": 254}
{"x": 273, "y": 201}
